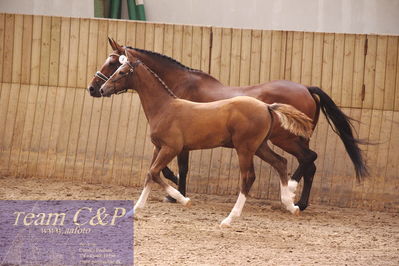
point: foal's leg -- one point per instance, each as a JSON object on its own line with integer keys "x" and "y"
{"x": 166, "y": 155}
{"x": 247, "y": 176}
{"x": 279, "y": 163}
{"x": 147, "y": 185}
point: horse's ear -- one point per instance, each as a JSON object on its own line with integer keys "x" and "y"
{"x": 115, "y": 46}
{"x": 112, "y": 43}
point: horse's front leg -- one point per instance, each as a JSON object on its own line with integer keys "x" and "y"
{"x": 182, "y": 162}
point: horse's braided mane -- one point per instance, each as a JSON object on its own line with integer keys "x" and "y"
{"x": 166, "y": 57}
{"x": 169, "y": 91}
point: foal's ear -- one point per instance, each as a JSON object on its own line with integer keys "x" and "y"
{"x": 115, "y": 46}
{"x": 129, "y": 56}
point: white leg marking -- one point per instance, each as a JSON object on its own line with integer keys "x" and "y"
{"x": 235, "y": 212}
{"x": 143, "y": 198}
{"x": 174, "y": 193}
{"x": 287, "y": 198}
{"x": 292, "y": 185}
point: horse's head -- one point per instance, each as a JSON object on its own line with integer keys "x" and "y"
{"x": 107, "y": 69}
{"x": 120, "y": 81}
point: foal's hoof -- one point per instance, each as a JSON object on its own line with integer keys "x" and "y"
{"x": 296, "y": 211}
{"x": 169, "y": 199}
{"x": 187, "y": 202}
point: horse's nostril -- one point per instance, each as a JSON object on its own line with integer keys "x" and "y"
{"x": 91, "y": 89}
{"x": 101, "y": 91}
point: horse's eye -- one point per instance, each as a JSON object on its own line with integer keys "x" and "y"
{"x": 121, "y": 73}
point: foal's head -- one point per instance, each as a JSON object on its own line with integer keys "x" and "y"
{"x": 107, "y": 69}
{"x": 120, "y": 81}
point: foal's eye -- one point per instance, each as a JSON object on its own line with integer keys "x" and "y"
{"x": 121, "y": 73}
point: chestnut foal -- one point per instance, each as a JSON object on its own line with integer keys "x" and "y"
{"x": 175, "y": 125}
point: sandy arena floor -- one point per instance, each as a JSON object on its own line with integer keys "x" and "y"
{"x": 170, "y": 234}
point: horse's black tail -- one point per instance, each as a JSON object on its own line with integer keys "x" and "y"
{"x": 341, "y": 124}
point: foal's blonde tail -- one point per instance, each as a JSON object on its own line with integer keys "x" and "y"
{"x": 292, "y": 119}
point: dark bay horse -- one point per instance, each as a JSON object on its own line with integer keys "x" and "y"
{"x": 195, "y": 85}
{"x": 243, "y": 123}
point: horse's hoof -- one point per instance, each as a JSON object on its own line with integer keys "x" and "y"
{"x": 188, "y": 203}
{"x": 302, "y": 206}
{"x": 169, "y": 199}
{"x": 296, "y": 211}
{"x": 224, "y": 225}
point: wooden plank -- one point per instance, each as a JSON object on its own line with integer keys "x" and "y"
{"x": 206, "y": 48}
{"x": 338, "y": 68}
{"x": 4, "y": 102}
{"x": 380, "y": 179}
{"x": 130, "y": 33}
{"x": 317, "y": 62}
{"x": 390, "y": 75}
{"x": 34, "y": 148}
{"x": 168, "y": 40}
{"x": 6, "y": 140}
{"x": 392, "y": 182}
{"x": 84, "y": 29}
{"x": 57, "y": 131}
{"x": 288, "y": 55}
{"x": 45, "y": 51}
{"x": 18, "y": 129}
{"x": 27, "y": 130}
{"x": 348, "y": 70}
{"x": 17, "y": 48}
{"x": 26, "y": 49}
{"x": 55, "y": 51}
{"x": 216, "y": 52}
{"x": 8, "y": 47}
{"x": 187, "y": 45}
{"x": 2, "y": 31}
{"x": 277, "y": 54}
{"x": 196, "y": 48}
{"x": 68, "y": 98}
{"x": 372, "y": 157}
{"x": 296, "y": 64}
{"x": 358, "y": 71}
{"x": 396, "y": 107}
{"x": 307, "y": 58}
{"x": 328, "y": 55}
{"x": 73, "y": 53}
{"x": 158, "y": 38}
{"x": 245, "y": 57}
{"x": 235, "y": 57}
{"x": 64, "y": 52}
{"x": 177, "y": 42}
{"x": 140, "y": 35}
{"x": 44, "y": 144}
{"x": 369, "y": 71}
{"x": 74, "y": 132}
{"x": 254, "y": 76}
{"x": 265, "y": 58}
{"x": 380, "y": 69}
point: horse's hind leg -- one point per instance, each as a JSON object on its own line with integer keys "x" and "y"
{"x": 287, "y": 187}
{"x": 247, "y": 174}
{"x": 182, "y": 162}
{"x": 299, "y": 147}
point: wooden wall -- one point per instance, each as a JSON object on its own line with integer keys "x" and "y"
{"x": 51, "y": 126}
